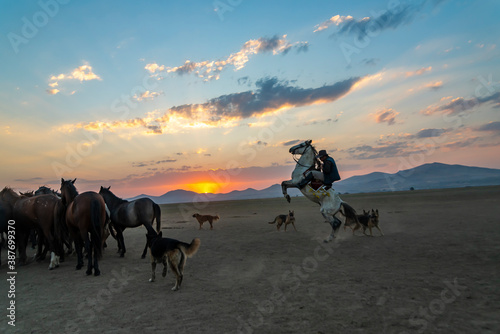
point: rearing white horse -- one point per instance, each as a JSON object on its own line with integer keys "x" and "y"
{"x": 329, "y": 200}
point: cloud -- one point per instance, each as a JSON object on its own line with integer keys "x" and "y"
{"x": 461, "y": 143}
{"x": 81, "y": 73}
{"x": 336, "y": 20}
{"x": 291, "y": 142}
{"x": 418, "y": 72}
{"x": 147, "y": 95}
{"x": 429, "y": 133}
{"x": 244, "y": 81}
{"x": 270, "y": 96}
{"x": 461, "y": 104}
{"x": 490, "y": 127}
{"x": 383, "y": 150}
{"x": 152, "y": 162}
{"x": 434, "y": 85}
{"x": 370, "y": 61}
{"x": 392, "y": 18}
{"x": 324, "y": 121}
{"x": 386, "y": 116}
{"x": 53, "y": 91}
{"x": 211, "y": 69}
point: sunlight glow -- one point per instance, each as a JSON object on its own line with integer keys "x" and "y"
{"x": 204, "y": 187}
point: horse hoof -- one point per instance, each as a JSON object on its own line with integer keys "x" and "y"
{"x": 97, "y": 273}
{"x": 151, "y": 280}
{"x": 88, "y": 272}
{"x": 122, "y": 255}
{"x": 143, "y": 256}
{"x": 78, "y": 267}
{"x": 288, "y": 198}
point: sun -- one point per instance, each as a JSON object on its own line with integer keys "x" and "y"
{"x": 204, "y": 187}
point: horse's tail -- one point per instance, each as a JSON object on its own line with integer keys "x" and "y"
{"x": 190, "y": 249}
{"x": 349, "y": 212}
{"x": 157, "y": 217}
{"x": 96, "y": 228}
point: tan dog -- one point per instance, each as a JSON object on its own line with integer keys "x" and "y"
{"x": 366, "y": 221}
{"x": 171, "y": 251}
{"x": 206, "y": 218}
{"x": 374, "y": 220}
{"x": 284, "y": 219}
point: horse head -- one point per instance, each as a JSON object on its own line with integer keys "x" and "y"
{"x": 68, "y": 191}
{"x": 301, "y": 148}
{"x": 105, "y": 191}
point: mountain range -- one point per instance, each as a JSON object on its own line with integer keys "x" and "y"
{"x": 427, "y": 176}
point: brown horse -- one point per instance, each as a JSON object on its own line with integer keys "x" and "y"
{"x": 125, "y": 214}
{"x": 8, "y": 199}
{"x": 45, "y": 214}
{"x": 85, "y": 218}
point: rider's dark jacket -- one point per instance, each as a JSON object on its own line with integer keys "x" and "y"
{"x": 330, "y": 171}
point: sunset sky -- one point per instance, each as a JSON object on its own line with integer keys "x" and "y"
{"x": 153, "y": 96}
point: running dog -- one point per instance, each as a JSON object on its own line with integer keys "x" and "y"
{"x": 171, "y": 251}
{"x": 284, "y": 219}
{"x": 206, "y": 218}
{"x": 367, "y": 220}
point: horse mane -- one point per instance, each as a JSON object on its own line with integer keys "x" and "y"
{"x": 46, "y": 191}
{"x": 115, "y": 200}
{"x": 8, "y": 191}
{"x": 30, "y": 193}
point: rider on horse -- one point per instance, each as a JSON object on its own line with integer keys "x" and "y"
{"x": 328, "y": 173}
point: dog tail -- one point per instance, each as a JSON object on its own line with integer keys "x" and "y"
{"x": 274, "y": 221}
{"x": 190, "y": 249}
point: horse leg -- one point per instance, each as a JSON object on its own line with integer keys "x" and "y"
{"x": 121, "y": 241}
{"x": 143, "y": 256}
{"x": 21, "y": 248}
{"x": 284, "y": 186}
{"x": 78, "y": 242}
{"x": 334, "y": 223}
{"x": 88, "y": 248}
{"x": 97, "y": 271}
{"x": 41, "y": 252}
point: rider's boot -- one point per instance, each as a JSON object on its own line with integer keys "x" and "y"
{"x": 305, "y": 181}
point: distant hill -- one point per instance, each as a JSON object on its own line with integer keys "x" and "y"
{"x": 427, "y": 176}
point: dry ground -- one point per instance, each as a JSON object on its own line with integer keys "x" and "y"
{"x": 436, "y": 270}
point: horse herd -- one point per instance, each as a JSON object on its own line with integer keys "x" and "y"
{"x": 66, "y": 218}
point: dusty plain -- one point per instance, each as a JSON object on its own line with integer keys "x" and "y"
{"x": 436, "y": 270}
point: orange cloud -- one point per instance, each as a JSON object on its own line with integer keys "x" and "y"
{"x": 386, "y": 116}
{"x": 81, "y": 73}
{"x": 419, "y": 71}
{"x": 334, "y": 20}
{"x": 271, "y": 97}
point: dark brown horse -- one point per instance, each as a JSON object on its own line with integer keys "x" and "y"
{"x": 45, "y": 214}
{"x": 130, "y": 214}
{"x": 8, "y": 199}
{"x": 85, "y": 218}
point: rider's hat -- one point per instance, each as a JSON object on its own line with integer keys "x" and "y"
{"x": 321, "y": 153}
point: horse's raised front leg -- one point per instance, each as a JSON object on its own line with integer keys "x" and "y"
{"x": 284, "y": 186}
